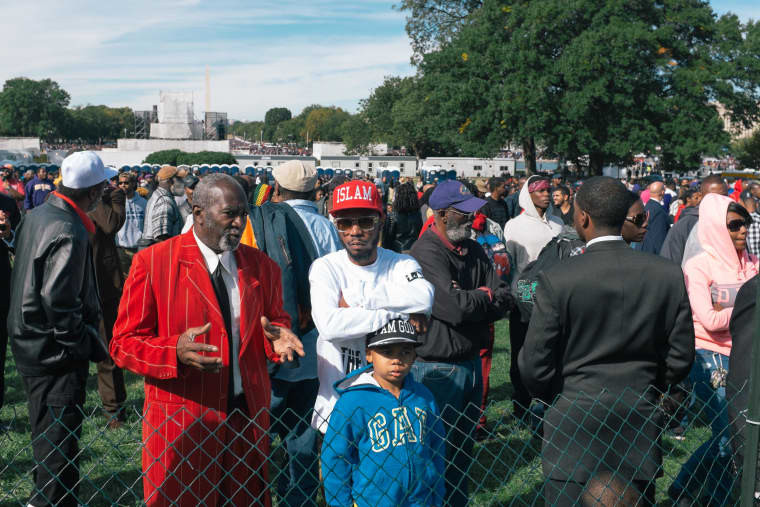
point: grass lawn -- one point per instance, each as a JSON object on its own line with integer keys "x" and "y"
{"x": 506, "y": 470}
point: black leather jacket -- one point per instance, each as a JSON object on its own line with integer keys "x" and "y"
{"x": 55, "y": 309}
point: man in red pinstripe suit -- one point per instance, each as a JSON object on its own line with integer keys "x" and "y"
{"x": 198, "y": 318}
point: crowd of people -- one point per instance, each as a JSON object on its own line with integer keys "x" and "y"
{"x": 355, "y": 319}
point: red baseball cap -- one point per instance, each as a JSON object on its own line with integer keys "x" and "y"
{"x": 356, "y": 194}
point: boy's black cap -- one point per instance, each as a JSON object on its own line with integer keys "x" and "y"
{"x": 395, "y": 331}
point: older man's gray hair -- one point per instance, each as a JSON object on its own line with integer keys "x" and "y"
{"x": 203, "y": 196}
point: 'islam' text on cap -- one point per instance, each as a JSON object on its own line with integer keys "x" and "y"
{"x": 84, "y": 169}
{"x": 356, "y": 194}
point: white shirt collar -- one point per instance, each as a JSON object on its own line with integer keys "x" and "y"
{"x": 212, "y": 258}
{"x": 604, "y": 238}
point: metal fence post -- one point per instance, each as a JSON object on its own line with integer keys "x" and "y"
{"x": 752, "y": 428}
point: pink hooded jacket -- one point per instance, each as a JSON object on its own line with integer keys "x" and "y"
{"x": 715, "y": 276}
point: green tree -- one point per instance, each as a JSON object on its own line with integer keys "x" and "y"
{"x": 747, "y": 151}
{"x": 98, "y": 123}
{"x": 163, "y": 157}
{"x": 415, "y": 122}
{"x": 32, "y": 108}
{"x": 594, "y": 81}
{"x": 274, "y": 117}
{"x": 378, "y": 106}
{"x": 357, "y": 135}
{"x": 325, "y": 123}
{"x": 432, "y": 23}
{"x": 252, "y": 130}
{"x": 292, "y": 131}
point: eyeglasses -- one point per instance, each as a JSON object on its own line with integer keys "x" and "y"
{"x": 124, "y": 183}
{"x": 639, "y": 220}
{"x": 736, "y": 225}
{"x": 468, "y": 216}
{"x": 364, "y": 223}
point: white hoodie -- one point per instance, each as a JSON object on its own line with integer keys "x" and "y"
{"x": 527, "y": 234}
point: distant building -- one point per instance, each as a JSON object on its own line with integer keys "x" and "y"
{"x": 374, "y": 165}
{"x": 332, "y": 149}
{"x": 269, "y": 160}
{"x": 469, "y": 167}
{"x": 176, "y": 118}
{"x": 737, "y": 130}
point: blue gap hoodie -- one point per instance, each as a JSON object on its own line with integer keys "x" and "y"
{"x": 380, "y": 450}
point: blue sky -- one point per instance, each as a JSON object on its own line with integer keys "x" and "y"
{"x": 260, "y": 54}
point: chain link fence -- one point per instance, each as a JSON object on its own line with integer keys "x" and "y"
{"x": 596, "y": 450}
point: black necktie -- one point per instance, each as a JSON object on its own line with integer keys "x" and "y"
{"x": 224, "y": 306}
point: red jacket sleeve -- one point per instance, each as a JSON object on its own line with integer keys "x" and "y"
{"x": 273, "y": 308}
{"x": 134, "y": 345}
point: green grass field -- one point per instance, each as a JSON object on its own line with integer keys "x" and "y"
{"x": 506, "y": 470}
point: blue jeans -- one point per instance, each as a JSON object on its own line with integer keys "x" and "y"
{"x": 710, "y": 465}
{"x": 458, "y": 390}
{"x": 291, "y": 408}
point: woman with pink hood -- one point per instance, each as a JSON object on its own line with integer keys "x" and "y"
{"x": 713, "y": 277}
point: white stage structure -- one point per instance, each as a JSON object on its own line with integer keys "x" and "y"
{"x": 175, "y": 117}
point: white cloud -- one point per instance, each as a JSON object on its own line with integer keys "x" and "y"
{"x": 261, "y": 54}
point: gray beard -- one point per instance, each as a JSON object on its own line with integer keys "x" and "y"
{"x": 227, "y": 243}
{"x": 459, "y": 233}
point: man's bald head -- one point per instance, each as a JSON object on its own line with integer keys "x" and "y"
{"x": 219, "y": 212}
{"x": 206, "y": 191}
{"x": 656, "y": 189}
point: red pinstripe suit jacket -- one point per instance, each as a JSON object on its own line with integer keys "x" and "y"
{"x": 168, "y": 291}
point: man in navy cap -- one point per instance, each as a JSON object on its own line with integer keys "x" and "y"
{"x": 469, "y": 295}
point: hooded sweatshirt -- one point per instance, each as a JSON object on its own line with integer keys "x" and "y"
{"x": 527, "y": 234}
{"x": 715, "y": 276}
{"x": 380, "y": 450}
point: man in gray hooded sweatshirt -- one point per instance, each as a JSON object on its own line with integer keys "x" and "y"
{"x": 525, "y": 236}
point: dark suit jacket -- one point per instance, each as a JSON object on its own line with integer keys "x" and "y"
{"x": 609, "y": 329}
{"x": 659, "y": 225}
{"x": 742, "y": 328}
{"x": 109, "y": 217}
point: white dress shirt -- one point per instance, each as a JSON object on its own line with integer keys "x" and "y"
{"x": 604, "y": 238}
{"x": 229, "y": 275}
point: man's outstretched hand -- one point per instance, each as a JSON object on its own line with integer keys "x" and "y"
{"x": 188, "y": 348}
{"x": 284, "y": 342}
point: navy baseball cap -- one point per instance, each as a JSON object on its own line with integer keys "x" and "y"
{"x": 453, "y": 194}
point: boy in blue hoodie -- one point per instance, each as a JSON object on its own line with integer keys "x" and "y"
{"x": 384, "y": 444}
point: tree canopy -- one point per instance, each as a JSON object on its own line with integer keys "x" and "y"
{"x": 32, "y": 108}
{"x": 592, "y": 82}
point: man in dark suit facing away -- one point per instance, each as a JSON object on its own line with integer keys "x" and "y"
{"x": 659, "y": 223}
{"x": 610, "y": 330}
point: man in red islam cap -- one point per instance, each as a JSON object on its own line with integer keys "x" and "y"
{"x": 357, "y": 290}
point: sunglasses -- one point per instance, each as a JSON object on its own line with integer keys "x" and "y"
{"x": 639, "y": 220}
{"x": 468, "y": 216}
{"x": 736, "y": 225}
{"x": 364, "y": 223}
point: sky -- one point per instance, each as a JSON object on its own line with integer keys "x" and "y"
{"x": 259, "y": 53}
